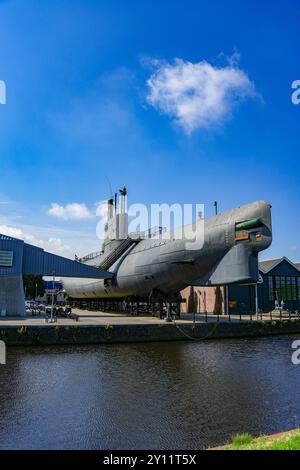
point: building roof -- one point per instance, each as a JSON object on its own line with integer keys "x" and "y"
{"x": 267, "y": 265}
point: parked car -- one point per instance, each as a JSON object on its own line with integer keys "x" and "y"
{"x": 34, "y": 305}
{"x": 40, "y": 306}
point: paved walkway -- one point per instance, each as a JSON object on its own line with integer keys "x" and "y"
{"x": 87, "y": 317}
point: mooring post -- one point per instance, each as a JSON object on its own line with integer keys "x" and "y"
{"x": 168, "y": 318}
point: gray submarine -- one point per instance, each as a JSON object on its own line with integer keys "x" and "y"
{"x": 156, "y": 267}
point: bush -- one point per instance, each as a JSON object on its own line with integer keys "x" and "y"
{"x": 241, "y": 439}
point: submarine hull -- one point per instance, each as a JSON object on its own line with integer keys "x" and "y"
{"x": 228, "y": 254}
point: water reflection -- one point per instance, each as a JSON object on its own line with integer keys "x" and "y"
{"x": 179, "y": 395}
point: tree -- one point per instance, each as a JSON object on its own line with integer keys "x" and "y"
{"x": 33, "y": 286}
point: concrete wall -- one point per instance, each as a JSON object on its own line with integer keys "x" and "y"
{"x": 12, "y": 301}
{"x": 103, "y": 334}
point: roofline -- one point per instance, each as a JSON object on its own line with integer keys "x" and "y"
{"x": 276, "y": 263}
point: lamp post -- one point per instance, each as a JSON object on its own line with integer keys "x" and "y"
{"x": 52, "y": 303}
{"x": 54, "y": 292}
{"x": 256, "y": 301}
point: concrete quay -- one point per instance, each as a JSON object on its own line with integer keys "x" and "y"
{"x": 104, "y": 328}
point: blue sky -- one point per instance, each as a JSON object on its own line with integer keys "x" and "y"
{"x": 80, "y": 111}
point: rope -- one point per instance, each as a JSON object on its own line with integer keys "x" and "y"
{"x": 191, "y": 337}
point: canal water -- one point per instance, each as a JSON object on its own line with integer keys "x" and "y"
{"x": 180, "y": 395}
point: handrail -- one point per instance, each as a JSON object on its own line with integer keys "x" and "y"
{"x": 150, "y": 233}
{"x": 90, "y": 256}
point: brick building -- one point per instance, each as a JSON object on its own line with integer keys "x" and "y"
{"x": 203, "y": 299}
{"x": 280, "y": 281}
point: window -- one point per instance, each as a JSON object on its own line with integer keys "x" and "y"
{"x": 289, "y": 288}
{"x": 280, "y": 288}
{"x": 277, "y": 284}
{"x": 283, "y": 288}
{"x": 6, "y": 259}
{"x": 294, "y": 288}
{"x": 271, "y": 288}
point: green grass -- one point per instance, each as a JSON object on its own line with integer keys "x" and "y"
{"x": 241, "y": 439}
{"x": 285, "y": 441}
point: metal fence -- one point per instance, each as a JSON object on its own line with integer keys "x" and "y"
{"x": 279, "y": 315}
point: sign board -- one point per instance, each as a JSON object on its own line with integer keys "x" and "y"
{"x": 6, "y": 259}
{"x": 260, "y": 279}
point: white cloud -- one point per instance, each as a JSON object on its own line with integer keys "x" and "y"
{"x": 63, "y": 239}
{"x": 198, "y": 95}
{"x": 72, "y": 211}
{"x": 2, "y": 92}
{"x": 11, "y": 231}
{"x": 101, "y": 208}
{"x": 54, "y": 245}
{"x": 57, "y": 246}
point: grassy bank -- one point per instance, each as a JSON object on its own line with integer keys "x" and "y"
{"x": 284, "y": 441}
